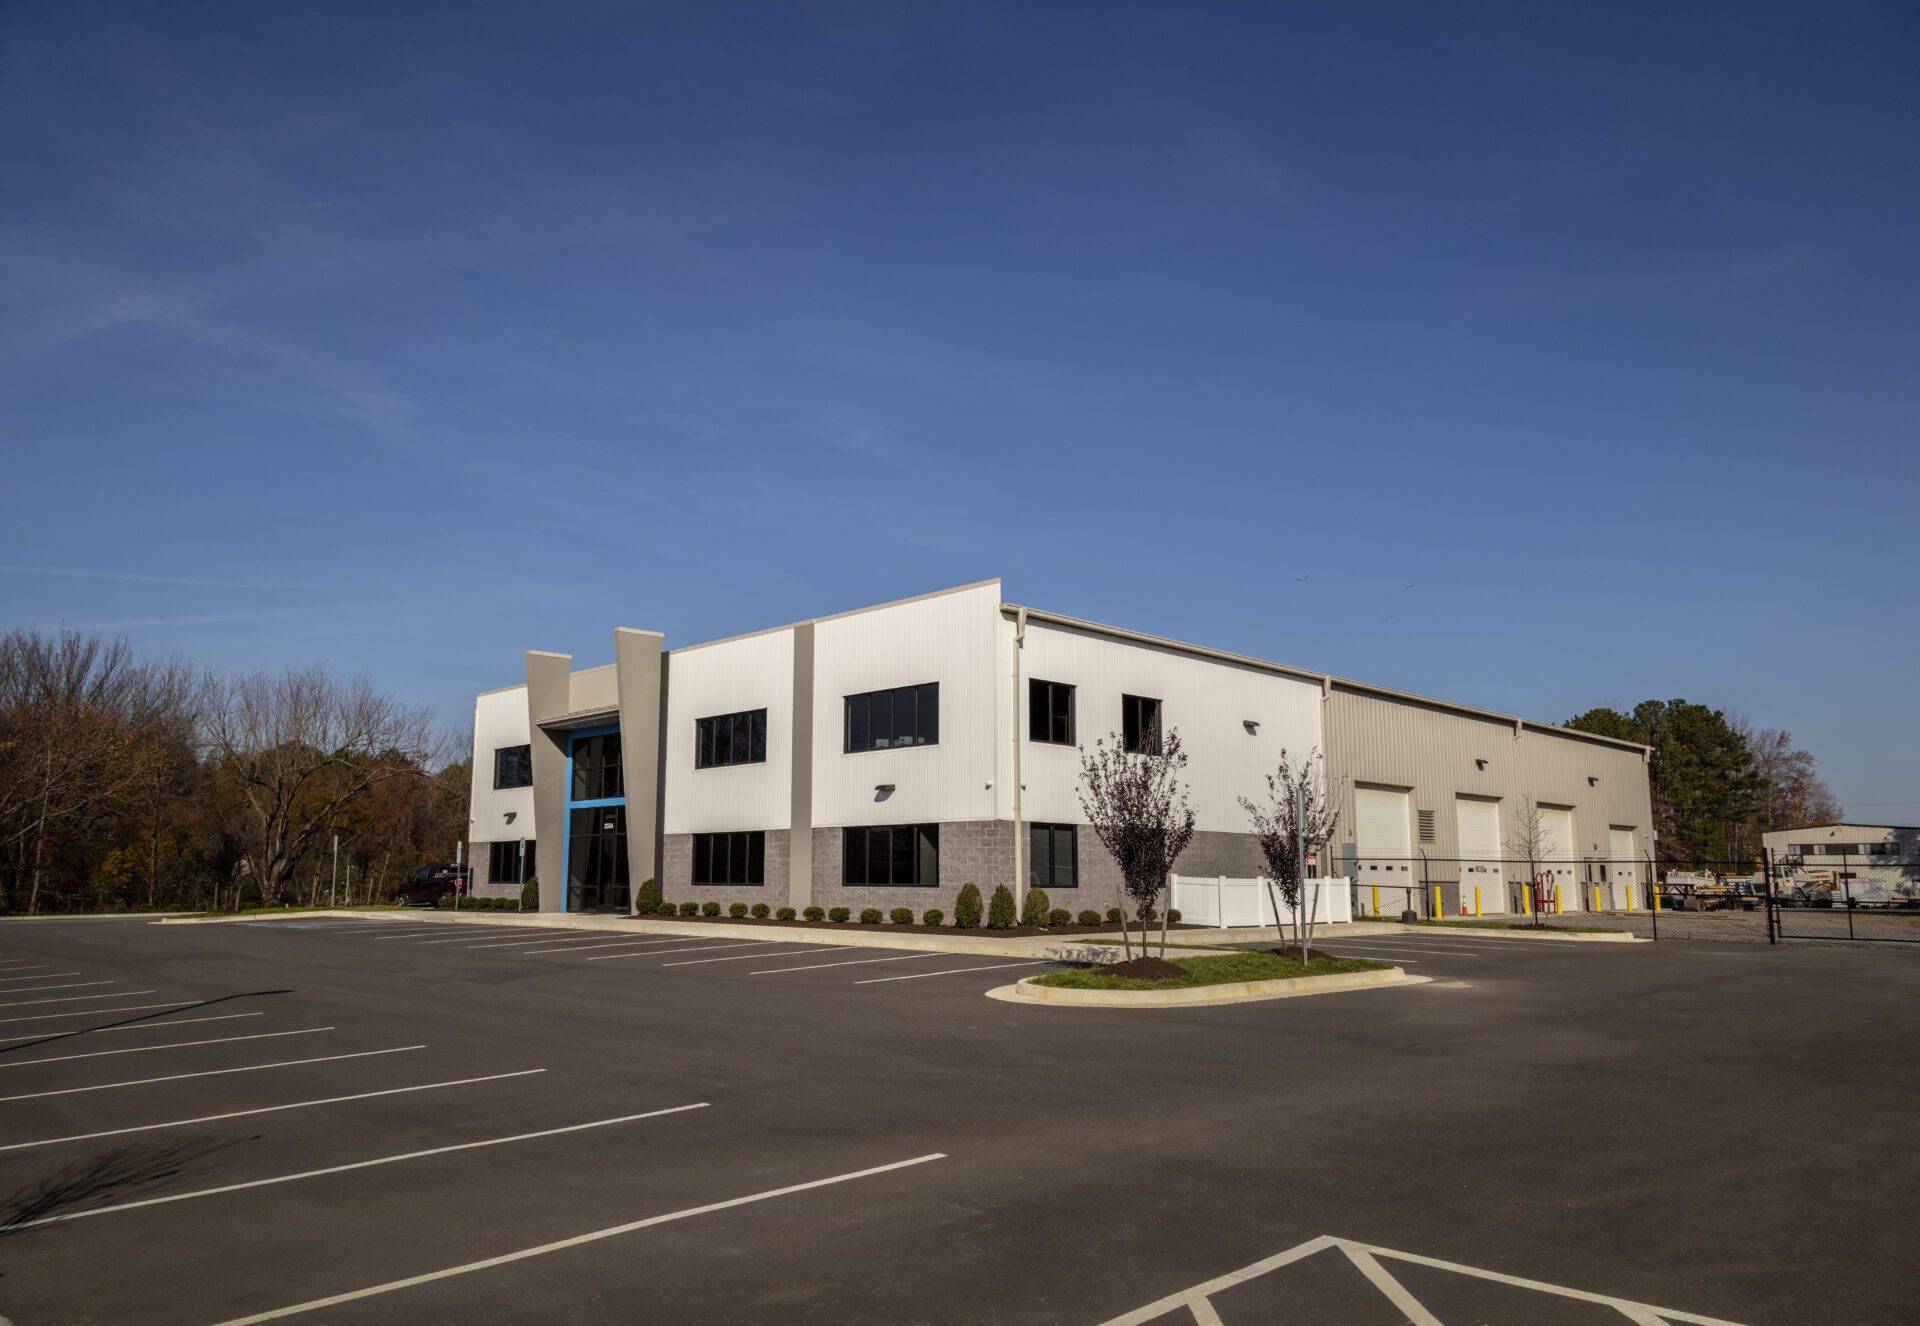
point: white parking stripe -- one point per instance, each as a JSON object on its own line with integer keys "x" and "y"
{"x": 574, "y": 1242}
{"x": 953, "y": 971}
{"x": 70, "y": 985}
{"x": 40, "y": 976}
{"x": 540, "y": 937}
{"x": 1363, "y": 948}
{"x": 211, "y": 1072}
{"x": 661, "y": 952}
{"x": 138, "y": 1026}
{"x": 586, "y": 948}
{"x": 75, "y": 999}
{"x": 548, "y": 938}
{"x": 269, "y": 1109}
{"x": 754, "y": 957}
{"x": 171, "y": 1045}
{"x": 15, "y": 964}
{"x": 358, "y": 1164}
{"x": 103, "y": 1012}
{"x": 415, "y": 934}
{"x": 854, "y": 962}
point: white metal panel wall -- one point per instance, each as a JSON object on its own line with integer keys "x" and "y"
{"x": 946, "y": 638}
{"x": 755, "y": 672}
{"x": 1477, "y": 820}
{"x": 1383, "y": 828}
{"x": 1623, "y": 868}
{"x": 499, "y": 719}
{"x": 1208, "y": 701}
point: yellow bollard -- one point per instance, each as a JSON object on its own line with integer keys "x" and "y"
{"x": 1559, "y": 898}
{"x": 1656, "y": 898}
{"x": 1596, "y": 899}
{"x": 1376, "y": 900}
{"x": 1439, "y": 908}
{"x": 1476, "y": 900}
{"x": 1526, "y": 901}
{"x": 1629, "y": 897}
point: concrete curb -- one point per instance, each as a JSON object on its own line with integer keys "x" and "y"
{"x": 1201, "y": 996}
{"x": 1057, "y": 950}
{"x": 1544, "y": 935}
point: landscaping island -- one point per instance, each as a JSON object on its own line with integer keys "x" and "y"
{"x": 1152, "y": 973}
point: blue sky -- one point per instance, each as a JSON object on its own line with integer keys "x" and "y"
{"x": 1533, "y": 356}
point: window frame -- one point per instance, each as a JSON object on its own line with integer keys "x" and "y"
{"x": 509, "y": 848}
{"x": 747, "y": 847}
{"x": 1133, "y": 742}
{"x": 526, "y": 766}
{"x": 707, "y": 736}
{"x": 895, "y": 844}
{"x": 862, "y": 713}
{"x": 1052, "y": 832}
{"x": 1048, "y": 718}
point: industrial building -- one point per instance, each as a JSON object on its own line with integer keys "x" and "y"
{"x": 887, "y": 756}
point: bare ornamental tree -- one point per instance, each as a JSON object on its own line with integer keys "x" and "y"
{"x": 1138, "y": 809}
{"x": 1298, "y": 817}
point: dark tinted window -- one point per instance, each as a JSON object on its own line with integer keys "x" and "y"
{"x": 730, "y": 858}
{"x": 596, "y": 768}
{"x": 730, "y": 739}
{"x": 597, "y": 878}
{"x": 1140, "y": 724}
{"x": 1053, "y": 862}
{"x": 507, "y": 865}
{"x": 1050, "y": 711}
{"x": 891, "y": 855}
{"x": 903, "y": 716}
{"x": 513, "y": 766}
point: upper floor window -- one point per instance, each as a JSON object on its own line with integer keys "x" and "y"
{"x": 512, "y": 766}
{"x": 596, "y": 768}
{"x": 730, "y": 739}
{"x": 1050, "y": 711}
{"x": 1140, "y": 724}
{"x": 903, "y": 716}
{"x": 730, "y": 858}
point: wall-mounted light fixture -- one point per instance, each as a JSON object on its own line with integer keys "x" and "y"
{"x": 1481, "y": 765}
{"x": 1592, "y": 781}
{"x": 1251, "y": 724}
{"x": 884, "y": 789}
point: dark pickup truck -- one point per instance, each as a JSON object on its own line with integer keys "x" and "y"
{"x": 429, "y": 884}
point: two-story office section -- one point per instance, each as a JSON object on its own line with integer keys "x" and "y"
{"x": 886, "y": 757}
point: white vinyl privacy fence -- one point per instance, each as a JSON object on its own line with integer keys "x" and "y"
{"x": 1219, "y": 901}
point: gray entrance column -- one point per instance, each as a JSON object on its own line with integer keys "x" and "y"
{"x": 800, "y": 808}
{"x": 640, "y": 673}
{"x": 548, "y": 680}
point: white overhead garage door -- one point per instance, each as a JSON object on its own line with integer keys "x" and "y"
{"x": 1557, "y": 859}
{"x": 1478, "y": 821}
{"x": 1383, "y": 838}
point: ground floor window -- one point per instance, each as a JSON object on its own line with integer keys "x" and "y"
{"x": 1053, "y": 856}
{"x": 507, "y": 863}
{"x": 892, "y": 855}
{"x": 730, "y": 858}
{"x": 597, "y": 879}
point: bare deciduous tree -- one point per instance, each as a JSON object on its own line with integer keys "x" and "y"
{"x": 1299, "y": 817}
{"x": 300, "y": 747}
{"x": 1138, "y": 809}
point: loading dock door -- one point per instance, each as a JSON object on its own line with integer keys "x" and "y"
{"x": 1624, "y": 869}
{"x": 1479, "y": 824}
{"x": 1383, "y": 837}
{"x": 1557, "y": 857}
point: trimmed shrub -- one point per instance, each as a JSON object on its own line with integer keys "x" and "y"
{"x": 901, "y": 916}
{"x": 1173, "y": 915}
{"x": 1059, "y": 916}
{"x": 737, "y": 910}
{"x": 1000, "y": 910}
{"x": 445, "y": 900}
{"x": 667, "y": 909}
{"x": 869, "y": 916}
{"x": 816, "y": 913}
{"x": 784, "y": 914}
{"x": 932, "y": 916}
{"x": 709, "y": 909}
{"x": 689, "y": 909}
{"x": 1088, "y": 917}
{"x": 1148, "y": 915}
{"x": 838, "y": 915}
{"x": 530, "y": 895}
{"x": 966, "y": 908}
{"x": 1113, "y": 916}
{"x": 648, "y": 899}
{"x": 1033, "y": 912}
{"x": 760, "y": 911}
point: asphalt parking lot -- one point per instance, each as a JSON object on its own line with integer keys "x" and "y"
{"x": 391, "y": 1121}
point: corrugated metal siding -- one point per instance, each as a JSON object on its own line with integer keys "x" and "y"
{"x": 1372, "y": 739}
{"x": 499, "y": 719}
{"x": 755, "y": 672}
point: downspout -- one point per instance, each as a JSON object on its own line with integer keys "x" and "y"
{"x": 1019, "y": 840}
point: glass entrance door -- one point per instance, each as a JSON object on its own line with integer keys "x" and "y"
{"x": 597, "y": 879}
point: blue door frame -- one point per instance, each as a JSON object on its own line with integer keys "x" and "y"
{"x": 566, "y": 841}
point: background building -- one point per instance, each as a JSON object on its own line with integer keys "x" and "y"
{"x": 886, "y": 757}
{"x": 1865, "y": 862}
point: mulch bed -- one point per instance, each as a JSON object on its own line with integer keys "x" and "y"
{"x": 1146, "y": 969}
{"x": 916, "y": 928}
